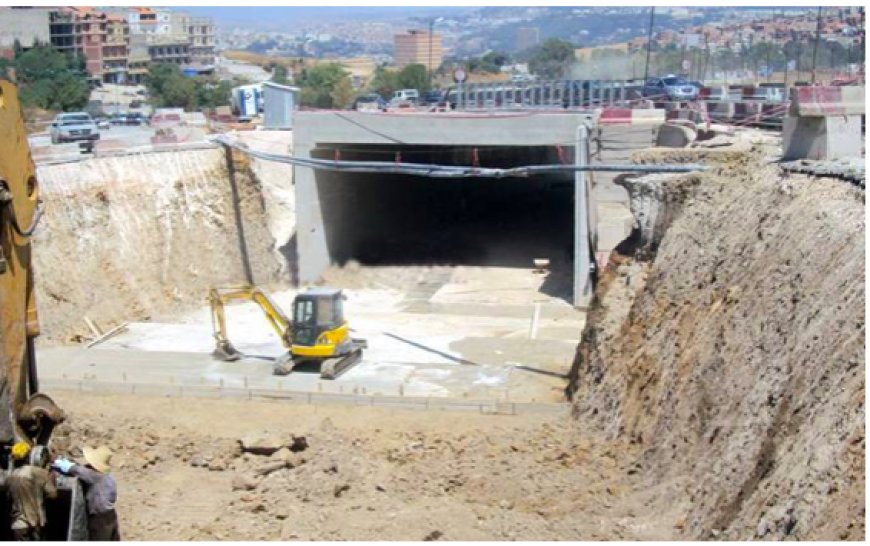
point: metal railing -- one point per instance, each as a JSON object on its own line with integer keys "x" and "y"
{"x": 544, "y": 94}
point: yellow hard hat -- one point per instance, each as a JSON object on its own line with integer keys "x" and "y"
{"x": 20, "y": 450}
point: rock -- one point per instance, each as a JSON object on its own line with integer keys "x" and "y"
{"x": 300, "y": 443}
{"x": 434, "y": 535}
{"x": 380, "y": 488}
{"x": 269, "y": 445}
{"x": 244, "y": 482}
{"x": 763, "y": 528}
{"x": 217, "y": 465}
{"x": 339, "y": 489}
{"x": 505, "y": 504}
{"x": 198, "y": 461}
{"x": 283, "y": 454}
{"x": 262, "y": 445}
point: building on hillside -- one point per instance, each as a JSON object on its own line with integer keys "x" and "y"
{"x": 527, "y": 38}
{"x": 24, "y": 26}
{"x": 144, "y": 21}
{"x": 201, "y": 33}
{"x": 169, "y": 49}
{"x": 138, "y": 60}
{"x": 62, "y": 31}
{"x": 418, "y": 47}
{"x": 91, "y": 28}
{"x": 115, "y": 50}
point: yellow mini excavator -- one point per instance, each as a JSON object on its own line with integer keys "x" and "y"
{"x": 318, "y": 331}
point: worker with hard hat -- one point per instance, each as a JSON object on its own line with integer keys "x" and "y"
{"x": 101, "y": 492}
{"x": 28, "y": 486}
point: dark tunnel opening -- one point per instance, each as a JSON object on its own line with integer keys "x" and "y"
{"x": 399, "y": 219}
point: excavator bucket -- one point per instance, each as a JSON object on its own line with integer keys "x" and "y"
{"x": 225, "y": 351}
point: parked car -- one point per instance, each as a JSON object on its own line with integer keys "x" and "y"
{"x": 434, "y": 97}
{"x": 136, "y": 118}
{"x": 371, "y": 101}
{"x": 118, "y": 119}
{"x": 103, "y": 122}
{"x": 671, "y": 87}
{"x": 74, "y": 127}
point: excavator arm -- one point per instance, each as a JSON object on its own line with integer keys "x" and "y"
{"x": 26, "y": 415}
{"x": 217, "y": 297}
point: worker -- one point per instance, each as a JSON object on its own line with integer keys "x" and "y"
{"x": 100, "y": 494}
{"x": 28, "y": 486}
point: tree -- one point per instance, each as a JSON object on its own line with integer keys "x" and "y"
{"x": 51, "y": 80}
{"x": 552, "y": 59}
{"x": 279, "y": 75}
{"x": 384, "y": 82}
{"x": 414, "y": 76}
{"x": 319, "y": 82}
{"x": 168, "y": 87}
{"x": 211, "y": 94}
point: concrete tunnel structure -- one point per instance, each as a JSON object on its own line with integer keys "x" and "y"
{"x": 401, "y": 219}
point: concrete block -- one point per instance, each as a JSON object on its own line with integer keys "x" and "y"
{"x": 674, "y": 135}
{"x": 821, "y": 137}
{"x": 827, "y": 101}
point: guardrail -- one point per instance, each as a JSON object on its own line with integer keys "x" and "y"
{"x": 483, "y": 406}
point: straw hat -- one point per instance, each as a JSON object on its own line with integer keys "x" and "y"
{"x": 98, "y": 458}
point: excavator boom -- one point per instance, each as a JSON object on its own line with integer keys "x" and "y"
{"x": 26, "y": 415}
{"x": 217, "y": 297}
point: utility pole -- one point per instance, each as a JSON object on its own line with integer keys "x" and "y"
{"x": 816, "y": 45}
{"x": 652, "y": 15}
{"x": 429, "y": 66}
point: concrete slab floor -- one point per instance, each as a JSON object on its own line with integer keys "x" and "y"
{"x": 451, "y": 332}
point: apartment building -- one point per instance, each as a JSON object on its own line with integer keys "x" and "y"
{"x": 115, "y": 49}
{"x": 418, "y": 47}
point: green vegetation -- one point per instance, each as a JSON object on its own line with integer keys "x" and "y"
{"x": 325, "y": 86}
{"x": 49, "y": 79}
{"x": 552, "y": 59}
{"x": 168, "y": 87}
{"x": 386, "y": 82}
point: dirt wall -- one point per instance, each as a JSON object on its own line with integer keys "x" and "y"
{"x": 735, "y": 357}
{"x": 139, "y": 236}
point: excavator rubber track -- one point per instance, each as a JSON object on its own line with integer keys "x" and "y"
{"x": 331, "y": 368}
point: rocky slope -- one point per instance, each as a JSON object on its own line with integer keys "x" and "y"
{"x": 735, "y": 357}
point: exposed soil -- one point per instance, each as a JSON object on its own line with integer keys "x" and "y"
{"x": 128, "y": 238}
{"x": 738, "y": 367}
{"x": 367, "y": 473}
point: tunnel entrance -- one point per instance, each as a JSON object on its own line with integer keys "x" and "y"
{"x": 400, "y": 219}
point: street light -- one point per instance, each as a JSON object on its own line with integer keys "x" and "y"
{"x": 431, "y": 27}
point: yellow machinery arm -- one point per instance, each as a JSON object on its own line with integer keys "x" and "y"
{"x": 24, "y": 415}
{"x": 219, "y": 296}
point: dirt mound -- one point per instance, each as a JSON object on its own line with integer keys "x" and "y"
{"x": 738, "y": 364}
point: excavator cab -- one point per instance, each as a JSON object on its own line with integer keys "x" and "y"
{"x": 319, "y": 327}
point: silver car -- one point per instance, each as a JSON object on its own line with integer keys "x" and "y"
{"x": 673, "y": 88}
{"x": 74, "y": 127}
